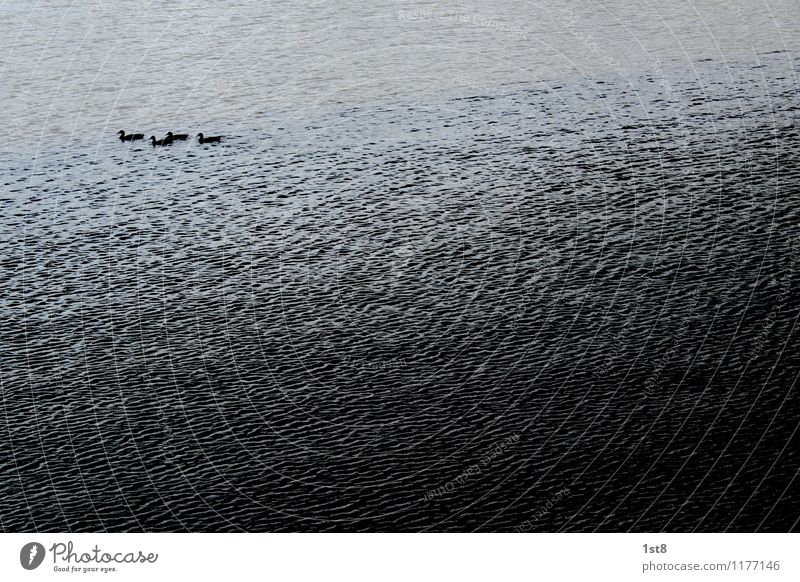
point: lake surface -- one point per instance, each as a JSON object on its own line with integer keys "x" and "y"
{"x": 531, "y": 267}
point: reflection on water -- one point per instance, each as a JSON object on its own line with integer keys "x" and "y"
{"x": 108, "y": 64}
{"x": 317, "y": 322}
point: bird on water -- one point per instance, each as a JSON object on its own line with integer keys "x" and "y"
{"x": 210, "y": 139}
{"x": 160, "y": 142}
{"x": 130, "y": 136}
{"x": 175, "y": 136}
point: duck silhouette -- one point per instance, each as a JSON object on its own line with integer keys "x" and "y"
{"x": 177, "y": 136}
{"x": 129, "y": 137}
{"x": 210, "y": 139}
{"x": 160, "y": 142}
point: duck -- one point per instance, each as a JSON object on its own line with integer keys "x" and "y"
{"x": 130, "y": 136}
{"x": 180, "y": 136}
{"x": 210, "y": 139}
{"x": 160, "y": 142}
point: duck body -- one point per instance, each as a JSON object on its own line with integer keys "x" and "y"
{"x": 130, "y": 136}
{"x": 160, "y": 142}
{"x": 178, "y": 136}
{"x": 210, "y": 139}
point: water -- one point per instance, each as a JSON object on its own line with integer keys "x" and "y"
{"x": 466, "y": 268}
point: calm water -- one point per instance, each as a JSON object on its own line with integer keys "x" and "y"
{"x": 528, "y": 267}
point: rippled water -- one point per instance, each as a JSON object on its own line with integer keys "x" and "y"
{"x": 440, "y": 275}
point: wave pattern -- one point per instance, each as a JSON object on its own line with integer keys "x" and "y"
{"x": 323, "y": 323}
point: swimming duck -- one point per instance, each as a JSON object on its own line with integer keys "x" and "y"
{"x": 180, "y": 136}
{"x": 210, "y": 139}
{"x": 160, "y": 142}
{"x": 130, "y": 136}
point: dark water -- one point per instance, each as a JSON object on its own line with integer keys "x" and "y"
{"x": 562, "y": 306}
